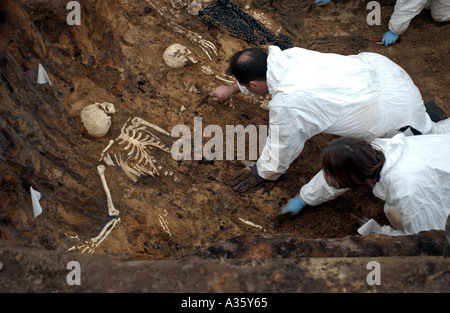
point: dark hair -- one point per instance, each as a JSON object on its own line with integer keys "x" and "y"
{"x": 248, "y": 64}
{"x": 349, "y": 162}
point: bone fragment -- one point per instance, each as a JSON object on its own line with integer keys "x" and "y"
{"x": 164, "y": 225}
{"x": 111, "y": 142}
{"x": 111, "y": 210}
{"x": 251, "y": 224}
{"x": 224, "y": 80}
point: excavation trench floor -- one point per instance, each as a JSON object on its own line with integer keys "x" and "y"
{"x": 115, "y": 56}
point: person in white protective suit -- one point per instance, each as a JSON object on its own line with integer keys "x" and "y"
{"x": 410, "y": 174}
{"x": 406, "y": 10}
{"x": 365, "y": 95}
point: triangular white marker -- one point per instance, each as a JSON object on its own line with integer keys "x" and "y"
{"x": 35, "y": 197}
{"x": 371, "y": 227}
{"x": 42, "y": 76}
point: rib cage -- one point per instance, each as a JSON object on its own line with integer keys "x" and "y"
{"x": 138, "y": 150}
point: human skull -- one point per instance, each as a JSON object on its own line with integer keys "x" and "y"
{"x": 96, "y": 119}
{"x": 177, "y": 55}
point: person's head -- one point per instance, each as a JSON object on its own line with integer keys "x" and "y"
{"x": 351, "y": 162}
{"x": 249, "y": 67}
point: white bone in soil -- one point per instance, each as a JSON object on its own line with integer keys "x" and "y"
{"x": 111, "y": 210}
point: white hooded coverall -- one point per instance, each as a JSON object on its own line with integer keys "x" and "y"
{"x": 406, "y": 10}
{"x": 365, "y": 95}
{"x": 414, "y": 183}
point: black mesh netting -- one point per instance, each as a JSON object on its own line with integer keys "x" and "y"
{"x": 224, "y": 13}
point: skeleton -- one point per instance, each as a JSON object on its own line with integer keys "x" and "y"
{"x": 135, "y": 150}
{"x": 90, "y": 245}
{"x": 262, "y": 19}
{"x": 136, "y": 141}
{"x": 207, "y": 46}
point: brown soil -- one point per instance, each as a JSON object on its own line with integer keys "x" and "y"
{"x": 115, "y": 56}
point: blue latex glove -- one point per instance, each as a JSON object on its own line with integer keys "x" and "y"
{"x": 389, "y": 38}
{"x": 322, "y": 2}
{"x": 293, "y": 206}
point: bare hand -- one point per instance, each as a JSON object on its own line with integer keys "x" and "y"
{"x": 223, "y": 93}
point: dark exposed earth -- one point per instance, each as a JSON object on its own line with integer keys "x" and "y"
{"x": 193, "y": 233}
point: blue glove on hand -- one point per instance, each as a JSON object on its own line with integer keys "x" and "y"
{"x": 293, "y": 206}
{"x": 322, "y": 2}
{"x": 389, "y": 38}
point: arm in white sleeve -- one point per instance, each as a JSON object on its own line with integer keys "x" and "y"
{"x": 288, "y": 131}
{"x": 283, "y": 145}
{"x": 317, "y": 191}
{"x": 404, "y": 12}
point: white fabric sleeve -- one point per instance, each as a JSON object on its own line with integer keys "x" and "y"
{"x": 440, "y": 10}
{"x": 283, "y": 145}
{"x": 404, "y": 12}
{"x": 317, "y": 191}
{"x": 289, "y": 129}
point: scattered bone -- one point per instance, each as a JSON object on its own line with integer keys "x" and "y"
{"x": 164, "y": 225}
{"x": 179, "y": 4}
{"x": 207, "y": 46}
{"x": 111, "y": 142}
{"x": 251, "y": 224}
{"x": 206, "y": 52}
{"x": 95, "y": 242}
{"x": 196, "y": 5}
{"x": 90, "y": 245}
{"x": 261, "y": 18}
{"x": 191, "y": 87}
{"x": 105, "y": 231}
{"x": 111, "y": 210}
{"x": 108, "y": 160}
{"x": 207, "y": 70}
{"x": 224, "y": 80}
{"x": 137, "y": 121}
{"x": 72, "y": 237}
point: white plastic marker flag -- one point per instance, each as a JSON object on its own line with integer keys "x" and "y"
{"x": 371, "y": 227}
{"x": 42, "y": 76}
{"x": 35, "y": 197}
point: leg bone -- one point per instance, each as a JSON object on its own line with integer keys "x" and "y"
{"x": 111, "y": 210}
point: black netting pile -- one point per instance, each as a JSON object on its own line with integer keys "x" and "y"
{"x": 224, "y": 13}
